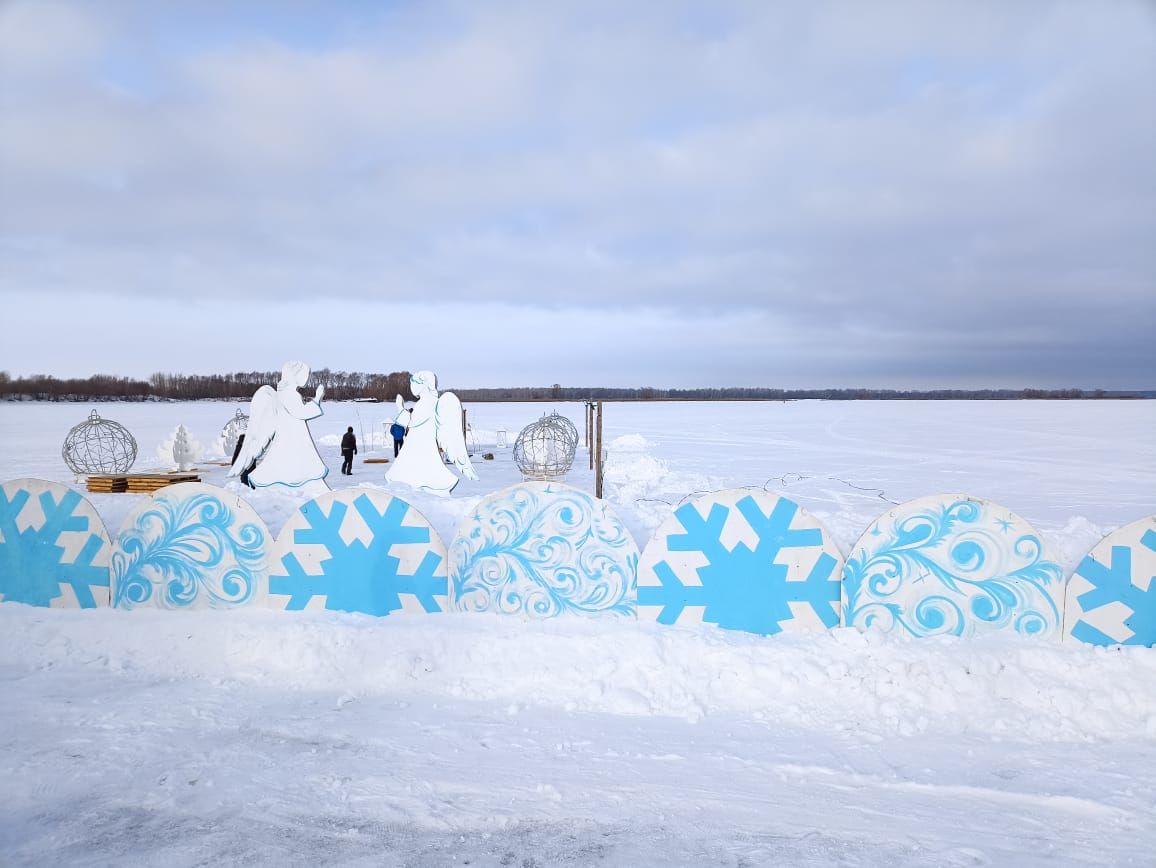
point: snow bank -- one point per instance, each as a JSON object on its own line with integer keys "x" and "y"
{"x": 630, "y": 443}
{"x": 843, "y": 681}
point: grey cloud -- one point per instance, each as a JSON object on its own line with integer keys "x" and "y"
{"x": 869, "y": 175}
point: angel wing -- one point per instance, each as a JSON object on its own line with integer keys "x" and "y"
{"x": 262, "y": 427}
{"x": 448, "y": 429}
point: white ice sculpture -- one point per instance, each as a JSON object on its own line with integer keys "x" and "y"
{"x": 180, "y": 450}
{"x": 433, "y": 422}
{"x": 278, "y": 438}
{"x": 184, "y": 450}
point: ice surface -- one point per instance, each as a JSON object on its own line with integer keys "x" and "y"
{"x": 275, "y": 738}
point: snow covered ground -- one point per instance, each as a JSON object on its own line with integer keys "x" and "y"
{"x": 262, "y": 737}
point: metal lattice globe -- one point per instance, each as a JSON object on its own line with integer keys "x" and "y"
{"x": 232, "y": 432}
{"x": 545, "y": 449}
{"x": 99, "y": 446}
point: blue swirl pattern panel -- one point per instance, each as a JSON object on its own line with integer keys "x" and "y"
{"x": 1111, "y": 596}
{"x": 54, "y": 549}
{"x": 952, "y": 565}
{"x": 358, "y": 550}
{"x": 743, "y": 559}
{"x": 543, "y": 549}
{"x": 191, "y": 546}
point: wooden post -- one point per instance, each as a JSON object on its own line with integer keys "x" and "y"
{"x": 598, "y": 452}
{"x": 590, "y": 432}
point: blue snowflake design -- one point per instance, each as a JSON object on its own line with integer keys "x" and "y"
{"x": 356, "y": 577}
{"x": 743, "y": 588}
{"x": 543, "y": 550}
{"x": 34, "y": 566}
{"x": 1116, "y": 582}
{"x": 951, "y": 569}
{"x": 188, "y": 549}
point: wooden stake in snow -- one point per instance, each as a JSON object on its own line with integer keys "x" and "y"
{"x": 598, "y": 455}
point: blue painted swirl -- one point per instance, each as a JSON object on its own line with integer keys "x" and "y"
{"x": 543, "y": 550}
{"x": 187, "y": 551}
{"x": 952, "y": 569}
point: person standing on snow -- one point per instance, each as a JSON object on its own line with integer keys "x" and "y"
{"x": 400, "y": 426}
{"x": 398, "y": 431}
{"x": 348, "y": 450}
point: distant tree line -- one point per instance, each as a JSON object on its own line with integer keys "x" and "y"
{"x": 351, "y": 385}
{"x": 566, "y": 393}
{"x": 339, "y": 386}
{"x": 348, "y": 386}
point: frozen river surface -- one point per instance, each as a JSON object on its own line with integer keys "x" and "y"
{"x": 1072, "y": 468}
{"x": 256, "y": 737}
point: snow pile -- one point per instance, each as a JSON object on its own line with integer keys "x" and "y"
{"x": 838, "y": 682}
{"x": 630, "y": 443}
{"x": 644, "y": 486}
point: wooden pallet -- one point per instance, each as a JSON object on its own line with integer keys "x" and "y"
{"x": 136, "y": 483}
{"x": 106, "y": 484}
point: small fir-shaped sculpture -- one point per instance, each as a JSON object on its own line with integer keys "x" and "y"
{"x": 181, "y": 449}
{"x": 184, "y": 453}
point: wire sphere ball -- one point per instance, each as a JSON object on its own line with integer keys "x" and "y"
{"x": 99, "y": 446}
{"x": 232, "y": 432}
{"x": 571, "y": 429}
{"x": 545, "y": 449}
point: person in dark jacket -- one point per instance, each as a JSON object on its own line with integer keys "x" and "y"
{"x": 348, "y": 450}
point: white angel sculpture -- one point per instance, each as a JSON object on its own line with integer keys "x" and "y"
{"x": 433, "y": 422}
{"x": 278, "y": 439}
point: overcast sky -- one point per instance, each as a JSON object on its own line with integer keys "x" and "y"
{"x": 787, "y": 194}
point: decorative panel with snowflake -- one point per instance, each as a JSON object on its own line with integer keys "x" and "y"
{"x": 952, "y": 565}
{"x": 543, "y": 549}
{"x": 54, "y": 549}
{"x": 358, "y": 550}
{"x": 191, "y": 546}
{"x": 743, "y": 559}
{"x": 1111, "y": 596}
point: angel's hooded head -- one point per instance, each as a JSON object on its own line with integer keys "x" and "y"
{"x": 294, "y": 375}
{"x": 423, "y": 381}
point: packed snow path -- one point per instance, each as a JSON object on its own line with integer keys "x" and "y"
{"x": 253, "y": 737}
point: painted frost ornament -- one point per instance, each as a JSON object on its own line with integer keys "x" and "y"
{"x": 952, "y": 565}
{"x": 542, "y": 550}
{"x": 191, "y": 546}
